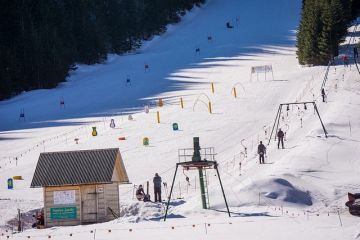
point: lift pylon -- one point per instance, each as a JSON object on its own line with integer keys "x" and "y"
{"x": 197, "y": 163}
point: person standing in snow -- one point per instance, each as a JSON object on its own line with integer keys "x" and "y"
{"x": 157, "y": 187}
{"x": 280, "y": 136}
{"x": 346, "y": 61}
{"x": 228, "y": 25}
{"x": 261, "y": 152}
{"x": 356, "y": 54}
{"x": 323, "y": 95}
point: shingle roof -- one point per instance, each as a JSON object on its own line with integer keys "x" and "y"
{"x": 76, "y": 167}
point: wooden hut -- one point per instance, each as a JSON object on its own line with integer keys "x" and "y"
{"x": 80, "y": 187}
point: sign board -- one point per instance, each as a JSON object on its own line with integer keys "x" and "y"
{"x": 261, "y": 69}
{"x": 63, "y": 213}
{"x": 64, "y": 197}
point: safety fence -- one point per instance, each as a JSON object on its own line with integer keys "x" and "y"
{"x": 113, "y": 229}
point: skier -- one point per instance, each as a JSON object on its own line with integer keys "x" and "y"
{"x": 323, "y": 95}
{"x": 146, "y": 67}
{"x": 157, "y": 187}
{"x": 280, "y": 136}
{"x": 128, "y": 81}
{"x": 228, "y": 25}
{"x": 346, "y": 61}
{"x": 261, "y": 152}
{"x": 356, "y": 54}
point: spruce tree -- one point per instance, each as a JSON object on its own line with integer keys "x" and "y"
{"x": 322, "y": 28}
{"x": 308, "y": 33}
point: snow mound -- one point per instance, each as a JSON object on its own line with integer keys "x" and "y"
{"x": 142, "y": 211}
{"x": 282, "y": 191}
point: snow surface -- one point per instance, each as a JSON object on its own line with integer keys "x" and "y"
{"x": 300, "y": 192}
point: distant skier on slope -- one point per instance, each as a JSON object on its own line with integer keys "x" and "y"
{"x": 356, "y": 54}
{"x": 323, "y": 95}
{"x": 261, "y": 152}
{"x": 228, "y": 25}
{"x": 157, "y": 187}
{"x": 197, "y": 50}
{"x": 280, "y": 136}
{"x": 346, "y": 61}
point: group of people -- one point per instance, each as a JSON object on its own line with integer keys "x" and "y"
{"x": 262, "y": 149}
{"x": 142, "y": 196}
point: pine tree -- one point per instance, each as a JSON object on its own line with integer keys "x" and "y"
{"x": 308, "y": 33}
{"x": 322, "y": 28}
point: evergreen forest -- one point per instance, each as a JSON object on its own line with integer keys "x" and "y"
{"x": 42, "y": 40}
{"x": 322, "y": 28}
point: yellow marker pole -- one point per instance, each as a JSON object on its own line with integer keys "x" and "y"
{"x": 212, "y": 87}
{"x": 181, "y": 103}
{"x": 210, "y": 110}
{"x": 158, "y": 116}
{"x": 234, "y": 89}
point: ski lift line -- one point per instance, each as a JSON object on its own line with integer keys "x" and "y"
{"x": 326, "y": 74}
{"x": 277, "y": 118}
{"x": 250, "y": 137}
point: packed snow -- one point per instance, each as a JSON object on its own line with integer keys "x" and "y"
{"x": 299, "y": 193}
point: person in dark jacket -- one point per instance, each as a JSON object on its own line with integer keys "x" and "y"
{"x": 228, "y": 25}
{"x": 157, "y": 187}
{"x": 140, "y": 194}
{"x": 280, "y": 136}
{"x": 261, "y": 152}
{"x": 356, "y": 54}
{"x": 346, "y": 60}
{"x": 323, "y": 94}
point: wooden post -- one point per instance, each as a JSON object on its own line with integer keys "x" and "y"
{"x": 161, "y": 102}
{"x": 210, "y": 109}
{"x": 158, "y": 116}
{"x": 147, "y": 188}
{"x": 19, "y": 221}
{"x": 181, "y": 103}
{"x": 212, "y": 88}
{"x": 234, "y": 89}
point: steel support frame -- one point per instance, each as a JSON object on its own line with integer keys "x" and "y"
{"x": 278, "y": 115}
{"x": 211, "y": 163}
